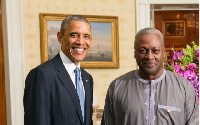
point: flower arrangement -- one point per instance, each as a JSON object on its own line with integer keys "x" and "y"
{"x": 185, "y": 63}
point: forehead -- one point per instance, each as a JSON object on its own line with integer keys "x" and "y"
{"x": 78, "y": 24}
{"x": 149, "y": 39}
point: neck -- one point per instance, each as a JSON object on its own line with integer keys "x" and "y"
{"x": 146, "y": 76}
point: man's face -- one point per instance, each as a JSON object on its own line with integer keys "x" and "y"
{"x": 149, "y": 54}
{"x": 76, "y": 41}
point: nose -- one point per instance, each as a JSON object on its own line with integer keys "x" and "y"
{"x": 149, "y": 55}
{"x": 81, "y": 39}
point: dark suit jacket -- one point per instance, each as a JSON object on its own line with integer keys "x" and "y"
{"x": 50, "y": 97}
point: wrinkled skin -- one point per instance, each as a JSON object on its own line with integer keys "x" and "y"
{"x": 76, "y": 41}
{"x": 149, "y": 54}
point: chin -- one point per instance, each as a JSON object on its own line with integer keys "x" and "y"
{"x": 149, "y": 71}
{"x": 79, "y": 59}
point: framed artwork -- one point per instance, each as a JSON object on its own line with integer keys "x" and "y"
{"x": 99, "y": 114}
{"x": 104, "y": 51}
{"x": 174, "y": 28}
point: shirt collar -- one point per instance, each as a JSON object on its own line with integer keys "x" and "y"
{"x": 146, "y": 81}
{"x": 69, "y": 65}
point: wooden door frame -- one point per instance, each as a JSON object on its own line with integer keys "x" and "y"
{"x": 2, "y": 76}
{"x": 144, "y": 13}
{"x": 13, "y": 44}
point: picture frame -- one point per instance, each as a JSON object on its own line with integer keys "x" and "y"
{"x": 104, "y": 51}
{"x": 174, "y": 29}
{"x": 99, "y": 114}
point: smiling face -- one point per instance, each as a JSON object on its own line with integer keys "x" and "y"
{"x": 76, "y": 40}
{"x": 149, "y": 55}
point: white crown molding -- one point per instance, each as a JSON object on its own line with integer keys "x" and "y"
{"x": 174, "y": 1}
{"x": 169, "y": 1}
{"x": 13, "y": 60}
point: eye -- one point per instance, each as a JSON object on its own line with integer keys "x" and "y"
{"x": 74, "y": 35}
{"x": 142, "y": 51}
{"x": 87, "y": 36}
{"x": 156, "y": 51}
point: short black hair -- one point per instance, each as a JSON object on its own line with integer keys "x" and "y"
{"x": 72, "y": 18}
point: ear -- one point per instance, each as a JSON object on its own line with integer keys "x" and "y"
{"x": 164, "y": 53}
{"x": 91, "y": 39}
{"x": 59, "y": 37}
{"x": 134, "y": 52}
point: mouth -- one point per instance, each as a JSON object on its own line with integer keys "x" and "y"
{"x": 78, "y": 49}
{"x": 149, "y": 64}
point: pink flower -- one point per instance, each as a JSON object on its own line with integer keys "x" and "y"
{"x": 189, "y": 74}
{"x": 185, "y": 63}
{"x": 171, "y": 53}
{"x": 180, "y": 54}
{"x": 178, "y": 70}
{"x": 197, "y": 56}
{"x": 195, "y": 83}
{"x": 169, "y": 62}
{"x": 177, "y": 56}
{"x": 170, "y": 45}
{"x": 192, "y": 66}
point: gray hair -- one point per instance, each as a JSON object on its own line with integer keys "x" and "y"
{"x": 72, "y": 18}
{"x": 149, "y": 30}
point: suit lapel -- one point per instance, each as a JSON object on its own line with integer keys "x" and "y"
{"x": 87, "y": 94}
{"x": 67, "y": 82}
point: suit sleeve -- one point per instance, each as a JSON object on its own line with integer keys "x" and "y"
{"x": 37, "y": 98}
{"x": 91, "y": 101}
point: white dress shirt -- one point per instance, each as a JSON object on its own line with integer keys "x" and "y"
{"x": 70, "y": 67}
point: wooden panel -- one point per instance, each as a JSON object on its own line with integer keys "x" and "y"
{"x": 187, "y": 21}
{"x": 197, "y": 26}
{"x": 2, "y": 78}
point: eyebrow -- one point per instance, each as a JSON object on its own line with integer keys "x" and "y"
{"x": 73, "y": 33}
{"x": 78, "y": 33}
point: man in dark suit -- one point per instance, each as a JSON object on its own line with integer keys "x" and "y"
{"x": 51, "y": 96}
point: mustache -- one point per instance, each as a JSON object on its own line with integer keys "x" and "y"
{"x": 148, "y": 62}
{"x": 151, "y": 60}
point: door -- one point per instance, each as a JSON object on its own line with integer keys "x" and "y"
{"x": 178, "y": 27}
{"x": 2, "y": 77}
